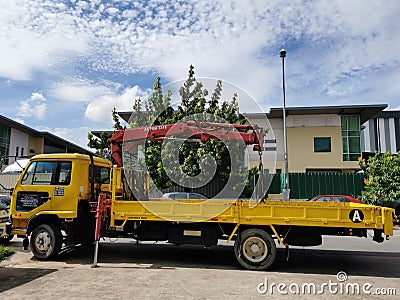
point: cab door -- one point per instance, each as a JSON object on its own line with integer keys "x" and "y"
{"x": 43, "y": 184}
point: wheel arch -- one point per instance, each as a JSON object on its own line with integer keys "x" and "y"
{"x": 43, "y": 219}
{"x": 266, "y": 228}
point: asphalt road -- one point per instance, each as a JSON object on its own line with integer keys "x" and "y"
{"x": 149, "y": 271}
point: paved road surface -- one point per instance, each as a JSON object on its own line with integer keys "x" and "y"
{"x": 150, "y": 271}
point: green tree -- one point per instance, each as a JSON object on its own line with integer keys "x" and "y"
{"x": 102, "y": 143}
{"x": 194, "y": 106}
{"x": 382, "y": 186}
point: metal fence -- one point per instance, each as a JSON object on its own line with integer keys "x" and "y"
{"x": 308, "y": 185}
{"x": 211, "y": 189}
{"x": 302, "y": 185}
{"x": 7, "y": 181}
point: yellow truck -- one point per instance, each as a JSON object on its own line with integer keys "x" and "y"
{"x": 62, "y": 200}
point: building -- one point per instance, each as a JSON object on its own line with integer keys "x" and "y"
{"x": 320, "y": 139}
{"x": 18, "y": 140}
{"x": 381, "y": 133}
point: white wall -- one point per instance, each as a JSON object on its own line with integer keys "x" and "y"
{"x": 18, "y": 139}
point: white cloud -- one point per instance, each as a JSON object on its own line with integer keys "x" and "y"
{"x": 100, "y": 109}
{"x": 78, "y": 91}
{"x": 34, "y": 106}
{"x": 335, "y": 48}
{"x": 99, "y": 99}
{"x": 38, "y": 36}
{"x": 19, "y": 120}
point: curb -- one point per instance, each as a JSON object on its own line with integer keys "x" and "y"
{"x": 16, "y": 259}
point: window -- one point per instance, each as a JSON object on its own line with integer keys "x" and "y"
{"x": 351, "y": 138}
{"x": 17, "y": 151}
{"x": 340, "y": 199}
{"x": 269, "y": 141}
{"x": 48, "y": 173}
{"x": 101, "y": 175}
{"x": 268, "y": 148}
{"x": 181, "y": 196}
{"x": 196, "y": 196}
{"x": 324, "y": 199}
{"x": 64, "y": 177}
{"x": 5, "y": 133}
{"x": 322, "y": 144}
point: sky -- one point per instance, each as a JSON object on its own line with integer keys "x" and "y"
{"x": 65, "y": 64}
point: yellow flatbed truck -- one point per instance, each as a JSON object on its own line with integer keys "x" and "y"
{"x": 62, "y": 200}
{"x": 58, "y": 196}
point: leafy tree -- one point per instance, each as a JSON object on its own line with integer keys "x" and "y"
{"x": 383, "y": 183}
{"x": 117, "y": 123}
{"x": 194, "y": 106}
{"x": 102, "y": 143}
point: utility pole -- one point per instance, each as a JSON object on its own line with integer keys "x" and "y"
{"x": 286, "y": 190}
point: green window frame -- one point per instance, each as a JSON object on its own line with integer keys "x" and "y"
{"x": 351, "y": 141}
{"x": 322, "y": 144}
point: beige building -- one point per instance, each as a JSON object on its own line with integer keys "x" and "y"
{"x": 320, "y": 139}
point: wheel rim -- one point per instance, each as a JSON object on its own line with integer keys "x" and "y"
{"x": 43, "y": 241}
{"x": 255, "y": 249}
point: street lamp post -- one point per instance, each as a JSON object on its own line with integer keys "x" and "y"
{"x": 286, "y": 190}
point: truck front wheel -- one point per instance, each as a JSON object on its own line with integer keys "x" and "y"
{"x": 255, "y": 249}
{"x": 46, "y": 240}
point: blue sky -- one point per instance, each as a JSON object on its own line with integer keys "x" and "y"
{"x": 65, "y": 64}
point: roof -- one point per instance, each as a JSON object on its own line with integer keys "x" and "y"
{"x": 99, "y": 132}
{"x": 386, "y": 114}
{"x": 17, "y": 166}
{"x": 21, "y": 127}
{"x": 365, "y": 112}
{"x": 126, "y": 115}
{"x": 50, "y": 139}
{"x": 75, "y": 156}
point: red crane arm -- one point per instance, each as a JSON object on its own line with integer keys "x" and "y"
{"x": 248, "y": 134}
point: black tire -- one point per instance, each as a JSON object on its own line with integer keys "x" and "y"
{"x": 255, "y": 249}
{"x": 46, "y": 241}
{"x": 9, "y": 237}
{"x": 4, "y": 240}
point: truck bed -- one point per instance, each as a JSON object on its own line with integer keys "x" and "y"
{"x": 246, "y": 212}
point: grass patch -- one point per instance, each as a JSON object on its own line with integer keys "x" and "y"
{"x": 5, "y": 252}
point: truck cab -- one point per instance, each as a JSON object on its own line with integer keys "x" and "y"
{"x": 51, "y": 199}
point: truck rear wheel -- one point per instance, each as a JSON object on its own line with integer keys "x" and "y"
{"x": 255, "y": 249}
{"x": 46, "y": 240}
